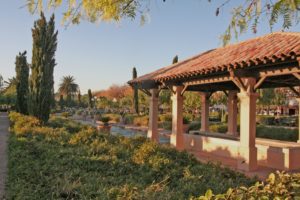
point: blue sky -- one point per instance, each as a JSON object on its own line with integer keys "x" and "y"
{"x": 99, "y": 55}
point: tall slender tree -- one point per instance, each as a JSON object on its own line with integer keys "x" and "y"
{"x": 61, "y": 102}
{"x": 69, "y": 88}
{"x": 42, "y": 67}
{"x": 79, "y": 97}
{"x": 22, "y": 74}
{"x": 135, "y": 92}
{"x": 90, "y": 95}
{"x": 175, "y": 60}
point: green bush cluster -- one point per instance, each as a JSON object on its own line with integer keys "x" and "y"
{"x": 281, "y": 120}
{"x": 141, "y": 121}
{"x": 165, "y": 118}
{"x": 218, "y": 128}
{"x": 277, "y": 133}
{"x": 114, "y": 117}
{"x": 86, "y": 164}
{"x": 265, "y": 119}
{"x": 277, "y": 186}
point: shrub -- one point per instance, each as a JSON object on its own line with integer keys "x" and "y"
{"x": 277, "y": 133}
{"x": 85, "y": 136}
{"x": 141, "y": 121}
{"x": 265, "y": 120}
{"x": 194, "y": 126}
{"x": 165, "y": 125}
{"x": 128, "y": 118}
{"x": 186, "y": 119}
{"x": 65, "y": 114}
{"x": 218, "y": 128}
{"x": 113, "y": 117}
{"x": 105, "y": 120}
{"x": 165, "y": 118}
{"x": 79, "y": 112}
{"x": 277, "y": 186}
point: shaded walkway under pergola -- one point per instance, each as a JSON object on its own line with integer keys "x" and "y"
{"x": 270, "y": 61}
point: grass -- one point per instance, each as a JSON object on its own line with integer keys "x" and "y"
{"x": 66, "y": 160}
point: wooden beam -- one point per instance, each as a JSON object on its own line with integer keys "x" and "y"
{"x": 184, "y": 89}
{"x": 226, "y": 93}
{"x": 297, "y": 75}
{"x": 295, "y": 91}
{"x": 279, "y": 72}
{"x": 145, "y": 91}
{"x": 208, "y": 80}
{"x": 238, "y": 82}
{"x": 261, "y": 80}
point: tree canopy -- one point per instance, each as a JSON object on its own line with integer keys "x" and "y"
{"x": 245, "y": 14}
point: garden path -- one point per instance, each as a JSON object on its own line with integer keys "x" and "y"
{"x": 4, "y": 125}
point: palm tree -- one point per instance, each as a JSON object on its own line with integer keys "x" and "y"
{"x": 68, "y": 87}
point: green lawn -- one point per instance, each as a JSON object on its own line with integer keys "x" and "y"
{"x": 65, "y": 160}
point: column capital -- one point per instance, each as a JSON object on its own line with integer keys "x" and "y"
{"x": 243, "y": 94}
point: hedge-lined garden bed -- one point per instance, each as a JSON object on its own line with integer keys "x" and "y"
{"x": 66, "y": 160}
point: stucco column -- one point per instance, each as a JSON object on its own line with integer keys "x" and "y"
{"x": 153, "y": 116}
{"x": 232, "y": 113}
{"x": 248, "y": 151}
{"x": 177, "y": 137}
{"x": 204, "y": 112}
{"x": 298, "y": 99}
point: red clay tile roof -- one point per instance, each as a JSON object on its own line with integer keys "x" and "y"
{"x": 265, "y": 49}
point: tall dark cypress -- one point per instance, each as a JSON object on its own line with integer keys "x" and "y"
{"x": 175, "y": 60}
{"x": 22, "y": 74}
{"x": 79, "y": 98}
{"x": 90, "y": 95}
{"x": 42, "y": 67}
{"x": 61, "y": 102}
{"x": 135, "y": 92}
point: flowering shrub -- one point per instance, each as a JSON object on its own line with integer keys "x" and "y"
{"x": 277, "y": 186}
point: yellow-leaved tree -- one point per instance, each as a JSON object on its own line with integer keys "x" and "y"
{"x": 245, "y": 14}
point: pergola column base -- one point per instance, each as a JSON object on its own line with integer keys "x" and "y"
{"x": 204, "y": 112}
{"x": 248, "y": 159}
{"x": 177, "y": 141}
{"x": 298, "y": 99}
{"x": 232, "y": 113}
{"x": 153, "y": 116}
{"x": 177, "y": 138}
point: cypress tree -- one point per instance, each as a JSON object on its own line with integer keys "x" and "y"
{"x": 135, "y": 92}
{"x": 22, "y": 74}
{"x": 42, "y": 67}
{"x": 79, "y": 98}
{"x": 61, "y": 102}
{"x": 90, "y": 98}
{"x": 175, "y": 60}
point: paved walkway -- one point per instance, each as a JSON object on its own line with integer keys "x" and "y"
{"x": 4, "y": 124}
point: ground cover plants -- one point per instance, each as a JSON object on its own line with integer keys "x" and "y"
{"x": 66, "y": 160}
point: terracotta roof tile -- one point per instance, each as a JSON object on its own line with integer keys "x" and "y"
{"x": 279, "y": 45}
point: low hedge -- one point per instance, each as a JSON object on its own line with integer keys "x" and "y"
{"x": 92, "y": 165}
{"x": 277, "y": 133}
{"x": 265, "y": 119}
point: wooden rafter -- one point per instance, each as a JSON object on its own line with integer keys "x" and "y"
{"x": 226, "y": 93}
{"x": 184, "y": 89}
{"x": 145, "y": 91}
{"x": 295, "y": 91}
{"x": 237, "y": 81}
{"x": 297, "y": 75}
{"x": 261, "y": 80}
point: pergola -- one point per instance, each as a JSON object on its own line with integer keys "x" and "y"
{"x": 269, "y": 61}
